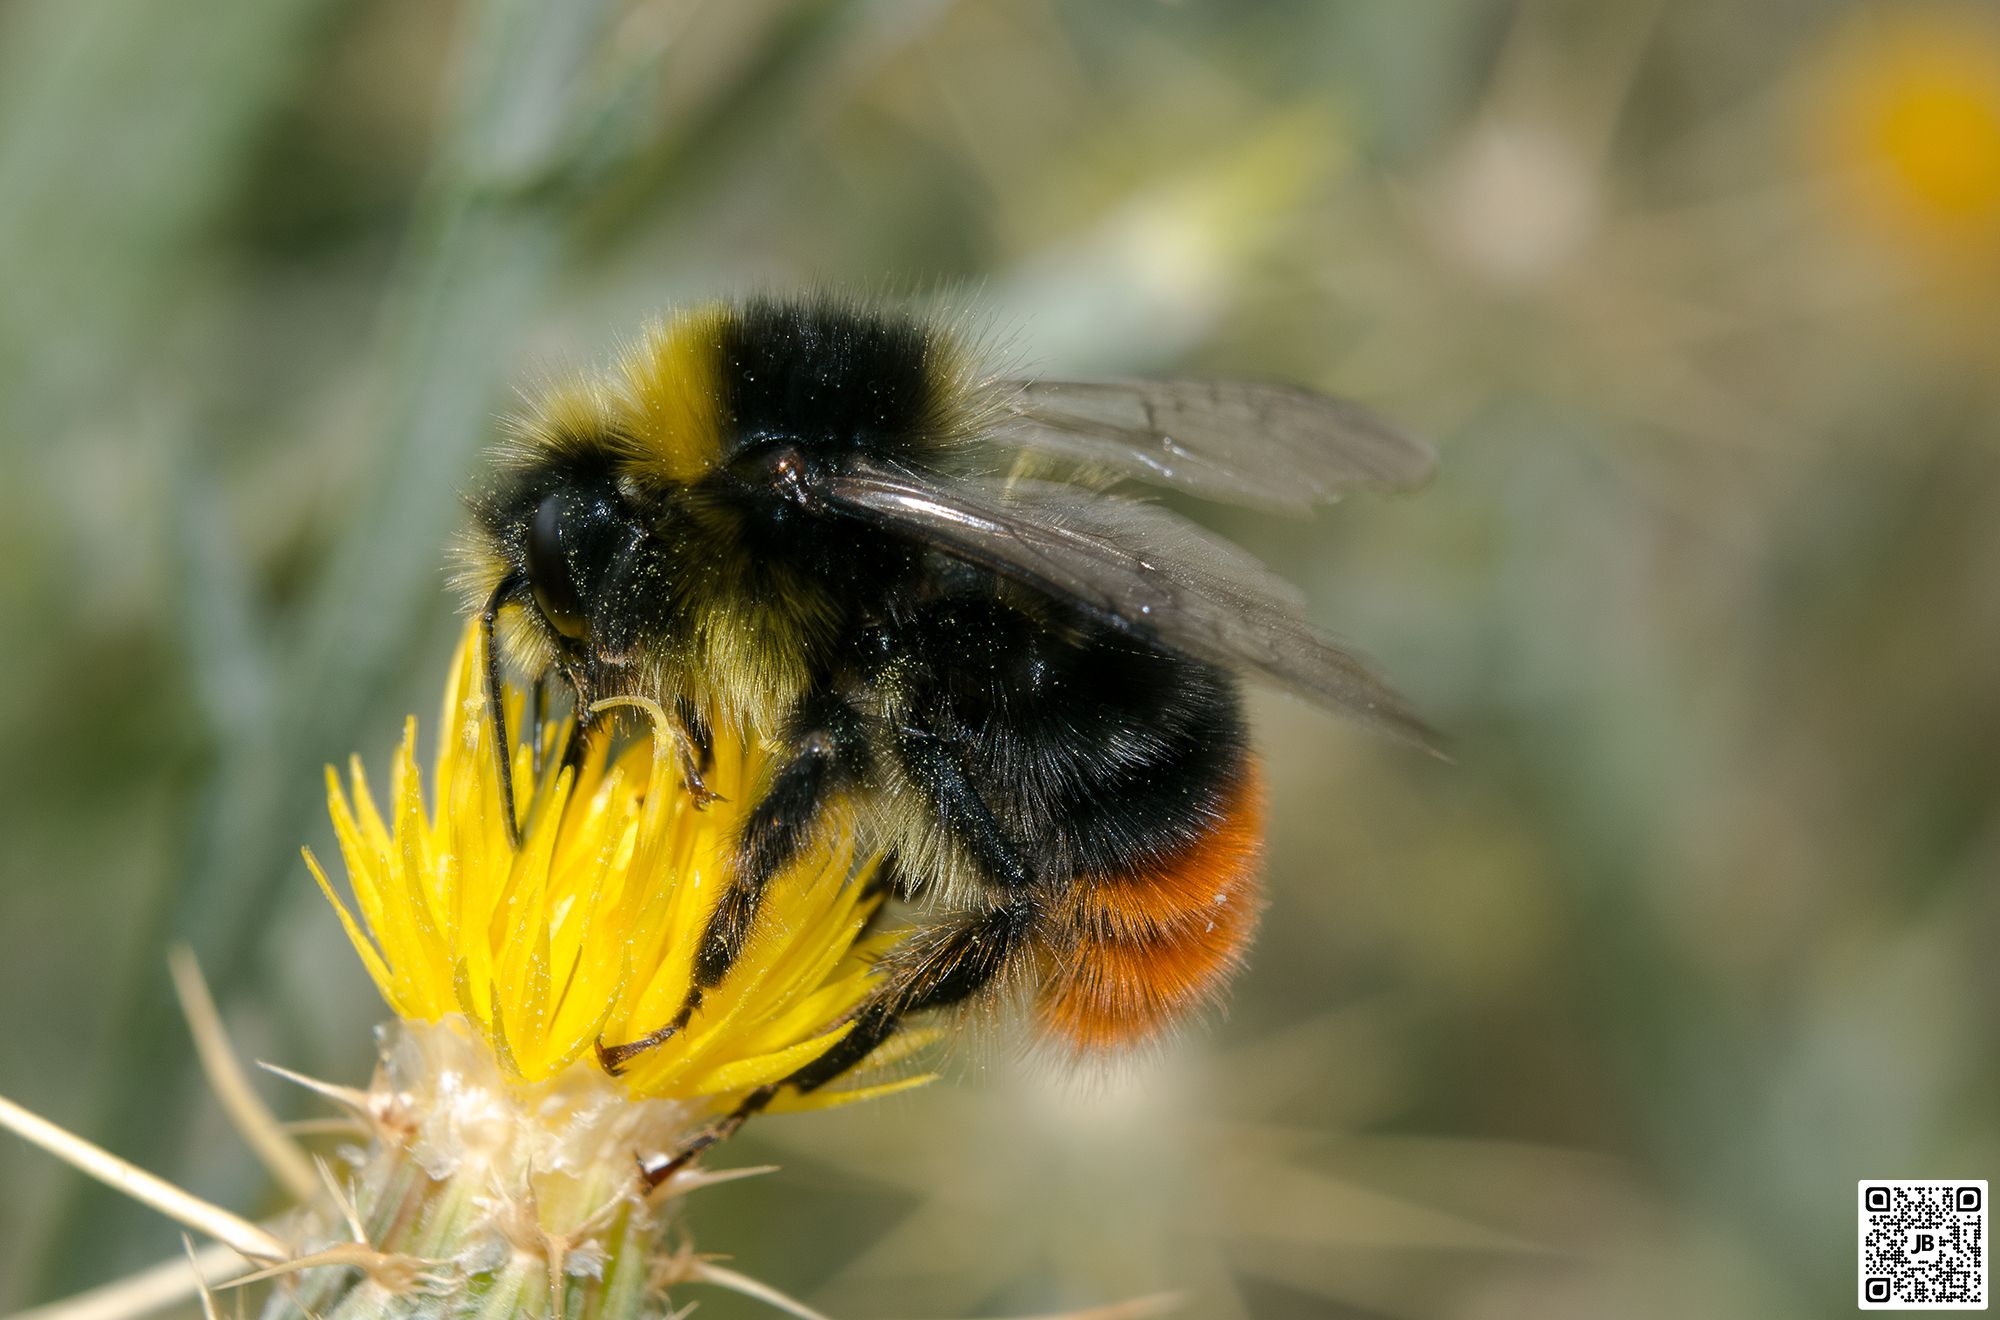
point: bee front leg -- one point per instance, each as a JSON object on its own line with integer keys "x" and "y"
{"x": 700, "y": 738}
{"x": 496, "y": 706}
{"x": 695, "y": 752}
{"x": 826, "y": 753}
{"x": 538, "y": 714}
{"x": 693, "y": 744}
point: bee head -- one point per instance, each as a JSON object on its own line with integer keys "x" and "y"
{"x": 563, "y": 545}
{"x": 572, "y": 539}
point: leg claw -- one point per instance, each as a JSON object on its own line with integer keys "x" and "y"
{"x": 697, "y": 788}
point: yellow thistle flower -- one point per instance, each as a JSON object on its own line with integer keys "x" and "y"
{"x": 587, "y": 934}
{"x": 510, "y": 970}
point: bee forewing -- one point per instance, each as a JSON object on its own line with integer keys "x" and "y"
{"x": 1138, "y": 566}
{"x": 1241, "y": 442}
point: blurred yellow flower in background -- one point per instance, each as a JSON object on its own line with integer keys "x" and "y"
{"x": 1907, "y": 113}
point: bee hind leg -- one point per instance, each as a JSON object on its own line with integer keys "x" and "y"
{"x": 936, "y": 969}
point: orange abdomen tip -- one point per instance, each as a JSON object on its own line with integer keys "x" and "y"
{"x": 1139, "y": 950}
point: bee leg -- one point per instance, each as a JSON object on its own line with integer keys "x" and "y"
{"x": 957, "y": 805}
{"x": 952, "y": 962}
{"x": 653, "y": 1174}
{"x": 576, "y": 743}
{"x": 694, "y": 749}
{"x": 538, "y": 714}
{"x": 693, "y": 744}
{"x": 582, "y": 720}
{"x": 496, "y": 708}
{"x": 700, "y": 739}
{"x": 827, "y": 752}
{"x": 934, "y": 970}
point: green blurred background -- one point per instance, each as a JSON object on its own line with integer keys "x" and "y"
{"x": 1699, "y": 300}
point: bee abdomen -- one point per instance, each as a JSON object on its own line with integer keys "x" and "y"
{"x": 1137, "y": 950}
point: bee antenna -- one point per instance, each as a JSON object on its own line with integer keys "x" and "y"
{"x": 496, "y": 707}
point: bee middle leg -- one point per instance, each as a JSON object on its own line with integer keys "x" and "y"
{"x": 955, "y": 803}
{"x": 953, "y": 961}
{"x": 826, "y": 753}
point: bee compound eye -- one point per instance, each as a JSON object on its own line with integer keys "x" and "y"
{"x": 552, "y": 568}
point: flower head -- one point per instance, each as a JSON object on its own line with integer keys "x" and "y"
{"x": 586, "y": 934}
{"x": 513, "y": 969}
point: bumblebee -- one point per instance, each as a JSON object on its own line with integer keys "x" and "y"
{"x": 818, "y": 522}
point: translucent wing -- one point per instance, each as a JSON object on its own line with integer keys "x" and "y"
{"x": 1242, "y": 442}
{"x": 1138, "y": 566}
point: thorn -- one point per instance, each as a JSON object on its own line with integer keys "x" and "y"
{"x": 253, "y": 1120}
{"x": 343, "y": 1201}
{"x": 363, "y": 1105}
{"x": 396, "y": 1272}
{"x": 695, "y": 1179}
{"x": 149, "y": 1291}
{"x": 202, "y": 1289}
{"x": 701, "y": 1271}
{"x": 148, "y": 1189}
{"x": 558, "y": 1254}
